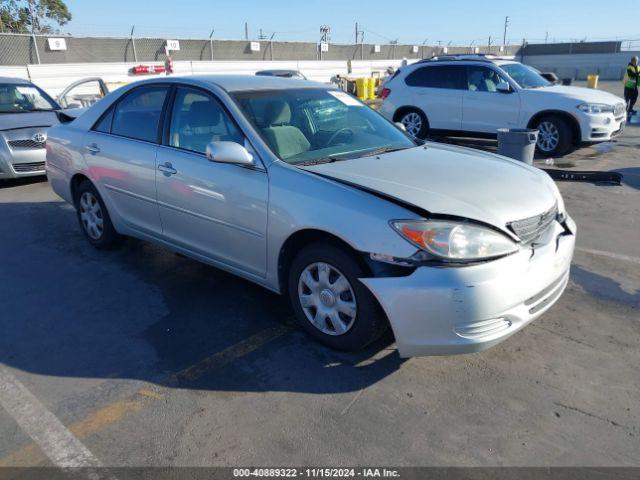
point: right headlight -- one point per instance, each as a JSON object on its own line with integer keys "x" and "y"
{"x": 595, "y": 108}
{"x": 455, "y": 241}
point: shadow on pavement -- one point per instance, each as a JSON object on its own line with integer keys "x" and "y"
{"x": 142, "y": 312}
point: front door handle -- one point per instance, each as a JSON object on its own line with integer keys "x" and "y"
{"x": 167, "y": 169}
{"x": 93, "y": 148}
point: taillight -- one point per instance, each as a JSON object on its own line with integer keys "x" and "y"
{"x": 385, "y": 93}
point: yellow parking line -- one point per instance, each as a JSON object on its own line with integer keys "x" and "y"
{"x": 31, "y": 455}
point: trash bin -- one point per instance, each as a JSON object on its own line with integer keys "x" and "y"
{"x": 592, "y": 81}
{"x": 517, "y": 143}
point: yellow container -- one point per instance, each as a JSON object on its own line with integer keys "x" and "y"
{"x": 362, "y": 88}
{"x": 592, "y": 81}
{"x": 371, "y": 84}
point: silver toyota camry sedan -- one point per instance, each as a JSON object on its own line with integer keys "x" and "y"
{"x": 301, "y": 188}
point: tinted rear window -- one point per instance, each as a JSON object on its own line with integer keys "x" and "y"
{"x": 438, "y": 76}
{"x": 138, "y": 114}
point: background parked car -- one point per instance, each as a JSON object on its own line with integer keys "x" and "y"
{"x": 26, "y": 112}
{"x": 281, "y": 73}
{"x": 476, "y": 95}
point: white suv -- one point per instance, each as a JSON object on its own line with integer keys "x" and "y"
{"x": 476, "y": 95}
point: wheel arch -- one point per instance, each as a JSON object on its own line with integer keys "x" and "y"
{"x": 75, "y": 182}
{"x": 573, "y": 123}
{"x": 400, "y": 111}
{"x": 308, "y": 236}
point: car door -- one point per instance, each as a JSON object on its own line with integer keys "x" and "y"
{"x": 214, "y": 209}
{"x": 484, "y": 108}
{"x": 120, "y": 151}
{"x": 83, "y": 93}
{"x": 437, "y": 90}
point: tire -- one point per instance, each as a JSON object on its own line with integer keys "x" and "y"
{"x": 364, "y": 321}
{"x": 555, "y": 136}
{"x": 415, "y": 122}
{"x": 94, "y": 218}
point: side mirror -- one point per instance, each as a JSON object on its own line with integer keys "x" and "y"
{"x": 503, "y": 87}
{"x": 229, "y": 152}
{"x": 401, "y": 126}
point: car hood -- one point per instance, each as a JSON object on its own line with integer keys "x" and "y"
{"x": 449, "y": 180}
{"x": 10, "y": 121}
{"x": 590, "y": 95}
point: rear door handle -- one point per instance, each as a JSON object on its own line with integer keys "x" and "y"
{"x": 93, "y": 148}
{"x": 167, "y": 169}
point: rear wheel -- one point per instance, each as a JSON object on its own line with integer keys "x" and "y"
{"x": 554, "y": 137}
{"x": 415, "y": 123}
{"x": 94, "y": 218}
{"x": 331, "y": 304}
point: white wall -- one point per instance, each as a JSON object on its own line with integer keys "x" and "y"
{"x": 53, "y": 78}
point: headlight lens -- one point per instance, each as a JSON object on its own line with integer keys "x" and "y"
{"x": 595, "y": 108}
{"x": 455, "y": 240}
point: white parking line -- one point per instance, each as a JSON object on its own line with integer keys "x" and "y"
{"x": 44, "y": 428}
{"x": 602, "y": 253}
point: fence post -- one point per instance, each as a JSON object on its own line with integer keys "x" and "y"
{"x": 35, "y": 46}
{"x": 133, "y": 44}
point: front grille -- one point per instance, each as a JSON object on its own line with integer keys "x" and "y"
{"x": 529, "y": 229}
{"x": 28, "y": 143}
{"x": 619, "y": 109}
{"x": 28, "y": 167}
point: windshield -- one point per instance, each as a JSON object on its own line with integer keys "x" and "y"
{"x": 16, "y": 98}
{"x": 524, "y": 76}
{"x": 314, "y": 125}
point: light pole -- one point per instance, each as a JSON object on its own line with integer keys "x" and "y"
{"x": 504, "y": 36}
{"x": 211, "y": 43}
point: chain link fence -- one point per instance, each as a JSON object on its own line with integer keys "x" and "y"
{"x": 20, "y": 49}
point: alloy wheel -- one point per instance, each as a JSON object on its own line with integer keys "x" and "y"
{"x": 548, "y": 137}
{"x": 412, "y": 121}
{"x": 327, "y": 298}
{"x": 91, "y": 215}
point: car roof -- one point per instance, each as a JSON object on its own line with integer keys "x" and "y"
{"x": 238, "y": 83}
{"x": 15, "y": 80}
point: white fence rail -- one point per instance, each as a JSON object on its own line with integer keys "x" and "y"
{"x": 53, "y": 78}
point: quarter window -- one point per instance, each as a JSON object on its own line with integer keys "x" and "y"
{"x": 438, "y": 76}
{"x": 137, "y": 115}
{"x": 198, "y": 119}
{"x": 104, "y": 124}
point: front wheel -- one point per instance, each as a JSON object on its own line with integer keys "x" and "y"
{"x": 329, "y": 301}
{"x": 554, "y": 136}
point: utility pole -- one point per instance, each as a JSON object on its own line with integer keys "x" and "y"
{"x": 546, "y": 37}
{"x": 360, "y": 34}
{"x": 324, "y": 37}
{"x": 246, "y": 31}
{"x": 504, "y": 37}
{"x": 489, "y": 44}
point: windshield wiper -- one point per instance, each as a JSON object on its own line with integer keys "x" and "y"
{"x": 379, "y": 151}
{"x": 318, "y": 161}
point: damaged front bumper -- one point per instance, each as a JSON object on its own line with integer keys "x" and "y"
{"x": 452, "y": 310}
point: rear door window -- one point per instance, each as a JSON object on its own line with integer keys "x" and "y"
{"x": 138, "y": 114}
{"x": 438, "y": 76}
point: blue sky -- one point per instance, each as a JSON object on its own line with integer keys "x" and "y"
{"x": 410, "y": 22}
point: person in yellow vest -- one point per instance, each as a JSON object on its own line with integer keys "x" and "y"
{"x": 631, "y": 85}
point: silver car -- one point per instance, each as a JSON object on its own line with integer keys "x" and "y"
{"x": 304, "y": 190}
{"x": 26, "y": 112}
